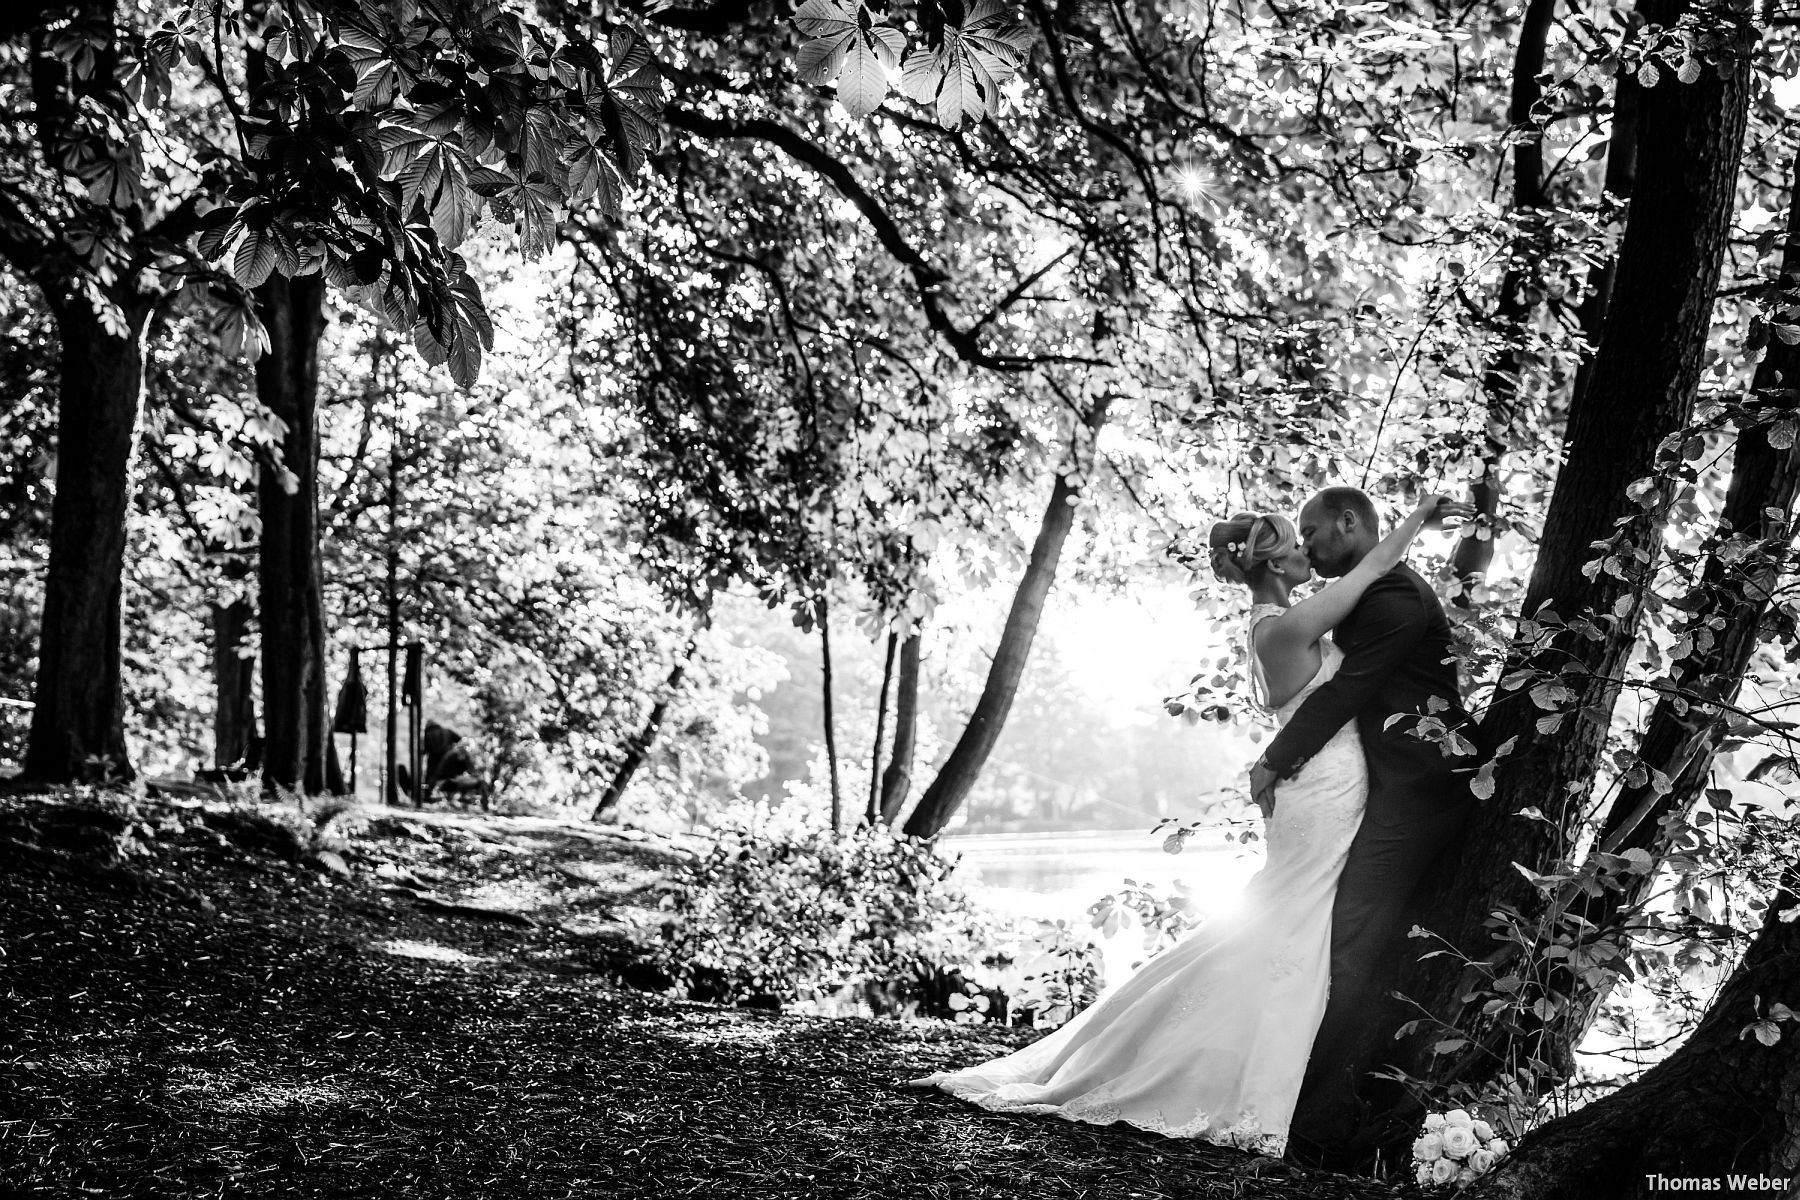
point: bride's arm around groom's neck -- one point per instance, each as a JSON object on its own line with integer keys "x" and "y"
{"x": 1390, "y": 622}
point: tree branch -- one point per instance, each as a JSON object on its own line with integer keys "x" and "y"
{"x": 713, "y": 20}
{"x": 929, "y": 279}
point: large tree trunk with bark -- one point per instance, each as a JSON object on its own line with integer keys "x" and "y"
{"x": 959, "y": 772}
{"x": 1641, "y": 389}
{"x": 1747, "y": 555}
{"x": 78, "y": 722}
{"x": 1618, "y": 184}
{"x": 1726, "y": 1104}
{"x": 293, "y": 642}
{"x": 1475, "y": 550}
{"x": 1513, "y": 311}
{"x": 897, "y": 779}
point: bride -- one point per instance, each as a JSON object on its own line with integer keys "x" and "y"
{"x": 1210, "y": 1039}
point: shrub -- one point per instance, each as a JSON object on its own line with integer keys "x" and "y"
{"x": 1069, "y": 976}
{"x": 773, "y": 916}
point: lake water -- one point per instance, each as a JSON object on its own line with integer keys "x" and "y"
{"x": 1057, "y": 876}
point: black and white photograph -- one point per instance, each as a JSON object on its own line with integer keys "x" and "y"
{"x": 863, "y": 599}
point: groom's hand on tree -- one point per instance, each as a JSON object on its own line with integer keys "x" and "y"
{"x": 1262, "y": 787}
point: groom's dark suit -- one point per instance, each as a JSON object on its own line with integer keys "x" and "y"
{"x": 1397, "y": 655}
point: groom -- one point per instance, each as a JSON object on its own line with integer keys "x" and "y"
{"x": 1397, "y": 658}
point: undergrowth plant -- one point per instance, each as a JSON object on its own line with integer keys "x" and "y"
{"x": 1641, "y": 979}
{"x": 771, "y": 915}
{"x": 1069, "y": 977}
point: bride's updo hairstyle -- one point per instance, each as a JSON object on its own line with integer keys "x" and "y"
{"x": 1242, "y": 546}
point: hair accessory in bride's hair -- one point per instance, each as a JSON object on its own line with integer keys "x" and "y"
{"x": 1246, "y": 555}
{"x": 1246, "y": 540}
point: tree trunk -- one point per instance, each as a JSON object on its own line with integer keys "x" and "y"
{"x": 234, "y": 677}
{"x": 1687, "y": 724}
{"x": 322, "y": 763}
{"x": 959, "y": 772}
{"x": 1724, "y": 1104}
{"x": 873, "y": 812}
{"x": 1619, "y": 182}
{"x": 293, "y": 651}
{"x": 78, "y": 722}
{"x": 897, "y": 779}
{"x": 1512, "y": 313}
{"x": 1641, "y": 389}
{"x": 1474, "y": 553}
{"x": 638, "y": 750}
{"x": 390, "y": 771}
{"x": 831, "y": 755}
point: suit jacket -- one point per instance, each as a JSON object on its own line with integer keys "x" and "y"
{"x": 1397, "y": 654}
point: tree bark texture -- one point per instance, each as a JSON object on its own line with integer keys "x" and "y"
{"x": 1641, "y": 390}
{"x": 293, "y": 650}
{"x": 896, "y": 781}
{"x": 831, "y": 754}
{"x": 1512, "y": 312}
{"x": 234, "y": 676}
{"x": 78, "y": 722}
{"x": 1619, "y": 182}
{"x": 957, "y": 776}
{"x": 873, "y": 812}
{"x": 390, "y": 786}
{"x": 1723, "y": 628}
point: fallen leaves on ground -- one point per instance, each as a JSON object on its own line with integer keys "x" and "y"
{"x": 311, "y": 1036}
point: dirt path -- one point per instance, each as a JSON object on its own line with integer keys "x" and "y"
{"x": 316, "y": 1036}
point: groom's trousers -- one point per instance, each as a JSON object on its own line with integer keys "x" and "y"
{"x": 1369, "y": 920}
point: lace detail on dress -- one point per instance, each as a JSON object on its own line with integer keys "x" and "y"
{"x": 1248, "y": 1134}
{"x": 1286, "y": 963}
{"x": 1198, "y": 993}
{"x": 1098, "y": 1107}
{"x": 1101, "y": 1107}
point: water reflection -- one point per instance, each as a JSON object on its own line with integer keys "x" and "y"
{"x": 1057, "y": 876}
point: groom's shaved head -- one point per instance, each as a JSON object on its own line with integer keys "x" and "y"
{"x": 1337, "y": 527}
{"x": 1336, "y": 501}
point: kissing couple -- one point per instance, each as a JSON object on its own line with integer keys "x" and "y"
{"x": 1222, "y": 1036}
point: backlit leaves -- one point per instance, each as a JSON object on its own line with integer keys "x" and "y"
{"x": 633, "y": 89}
{"x": 425, "y": 157}
{"x": 455, "y": 328}
{"x": 385, "y": 134}
{"x": 254, "y": 260}
{"x": 851, "y": 47}
{"x": 960, "y": 79}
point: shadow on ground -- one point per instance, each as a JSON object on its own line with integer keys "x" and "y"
{"x": 194, "y": 1020}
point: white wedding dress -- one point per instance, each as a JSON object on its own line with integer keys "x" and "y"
{"x": 1210, "y": 1039}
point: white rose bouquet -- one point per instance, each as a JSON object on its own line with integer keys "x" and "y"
{"x": 1454, "y": 1148}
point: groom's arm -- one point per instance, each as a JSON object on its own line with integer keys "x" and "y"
{"x": 1391, "y": 622}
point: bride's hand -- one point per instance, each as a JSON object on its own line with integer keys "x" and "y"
{"x": 1439, "y": 510}
{"x": 1262, "y": 787}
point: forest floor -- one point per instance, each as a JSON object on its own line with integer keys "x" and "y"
{"x": 199, "y": 1000}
